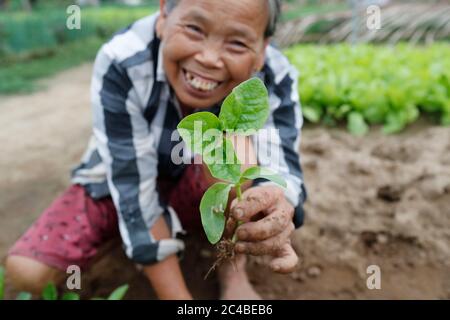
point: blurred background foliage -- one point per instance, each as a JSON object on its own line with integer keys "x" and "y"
{"x": 44, "y": 26}
{"x": 402, "y": 73}
{"x": 35, "y": 42}
{"x": 386, "y": 85}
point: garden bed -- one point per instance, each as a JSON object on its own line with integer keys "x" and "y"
{"x": 375, "y": 200}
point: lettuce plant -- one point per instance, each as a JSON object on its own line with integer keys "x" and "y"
{"x": 373, "y": 85}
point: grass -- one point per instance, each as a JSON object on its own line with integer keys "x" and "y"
{"x": 21, "y": 76}
{"x": 26, "y": 31}
{"x": 299, "y": 11}
{"x": 16, "y": 5}
{"x": 37, "y": 44}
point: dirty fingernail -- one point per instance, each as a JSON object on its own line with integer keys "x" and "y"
{"x": 276, "y": 268}
{"x": 239, "y": 213}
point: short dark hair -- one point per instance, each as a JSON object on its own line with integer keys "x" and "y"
{"x": 274, "y": 14}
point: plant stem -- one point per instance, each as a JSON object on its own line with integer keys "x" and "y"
{"x": 239, "y": 196}
{"x": 234, "y": 238}
{"x": 238, "y": 191}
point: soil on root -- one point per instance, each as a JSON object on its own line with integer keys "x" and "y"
{"x": 225, "y": 252}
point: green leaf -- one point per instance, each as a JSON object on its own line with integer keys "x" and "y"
{"x": 356, "y": 124}
{"x": 24, "y": 296}
{"x": 223, "y": 163}
{"x": 2, "y": 282}
{"x": 395, "y": 122}
{"x": 342, "y": 111}
{"x": 311, "y": 113}
{"x": 119, "y": 293}
{"x": 50, "y": 292}
{"x": 412, "y": 113}
{"x": 70, "y": 296}
{"x": 212, "y": 209}
{"x": 246, "y": 108}
{"x": 199, "y": 130}
{"x": 260, "y": 172}
{"x": 375, "y": 113}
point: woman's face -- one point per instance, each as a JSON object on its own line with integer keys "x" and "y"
{"x": 209, "y": 47}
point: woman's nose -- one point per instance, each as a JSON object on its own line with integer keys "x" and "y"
{"x": 210, "y": 57}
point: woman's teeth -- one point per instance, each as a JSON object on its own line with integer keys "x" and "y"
{"x": 200, "y": 83}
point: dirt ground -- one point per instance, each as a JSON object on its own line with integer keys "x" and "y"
{"x": 378, "y": 200}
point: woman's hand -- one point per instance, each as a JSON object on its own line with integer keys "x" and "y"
{"x": 267, "y": 227}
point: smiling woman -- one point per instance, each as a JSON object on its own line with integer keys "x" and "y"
{"x": 204, "y": 60}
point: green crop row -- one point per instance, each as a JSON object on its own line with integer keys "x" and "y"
{"x": 366, "y": 84}
{"x": 29, "y": 31}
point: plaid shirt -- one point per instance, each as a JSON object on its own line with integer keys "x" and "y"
{"x": 135, "y": 113}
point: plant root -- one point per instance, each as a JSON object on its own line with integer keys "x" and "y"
{"x": 225, "y": 252}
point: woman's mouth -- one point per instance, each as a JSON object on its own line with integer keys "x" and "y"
{"x": 199, "y": 83}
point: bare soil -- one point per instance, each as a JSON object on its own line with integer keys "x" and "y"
{"x": 378, "y": 200}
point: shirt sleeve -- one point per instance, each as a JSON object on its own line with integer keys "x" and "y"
{"x": 127, "y": 147}
{"x": 277, "y": 146}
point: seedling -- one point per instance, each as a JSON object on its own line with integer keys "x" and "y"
{"x": 51, "y": 293}
{"x": 2, "y": 282}
{"x": 243, "y": 112}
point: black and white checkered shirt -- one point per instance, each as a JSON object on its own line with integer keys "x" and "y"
{"x": 134, "y": 115}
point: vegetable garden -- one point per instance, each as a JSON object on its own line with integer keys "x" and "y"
{"x": 375, "y": 150}
{"x": 368, "y": 84}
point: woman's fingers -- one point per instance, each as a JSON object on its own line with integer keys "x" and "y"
{"x": 269, "y": 235}
{"x": 255, "y": 200}
{"x": 270, "y": 246}
{"x": 286, "y": 260}
{"x": 269, "y": 226}
{"x": 230, "y": 227}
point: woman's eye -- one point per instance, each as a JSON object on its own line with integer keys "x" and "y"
{"x": 239, "y": 44}
{"x": 194, "y": 28}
